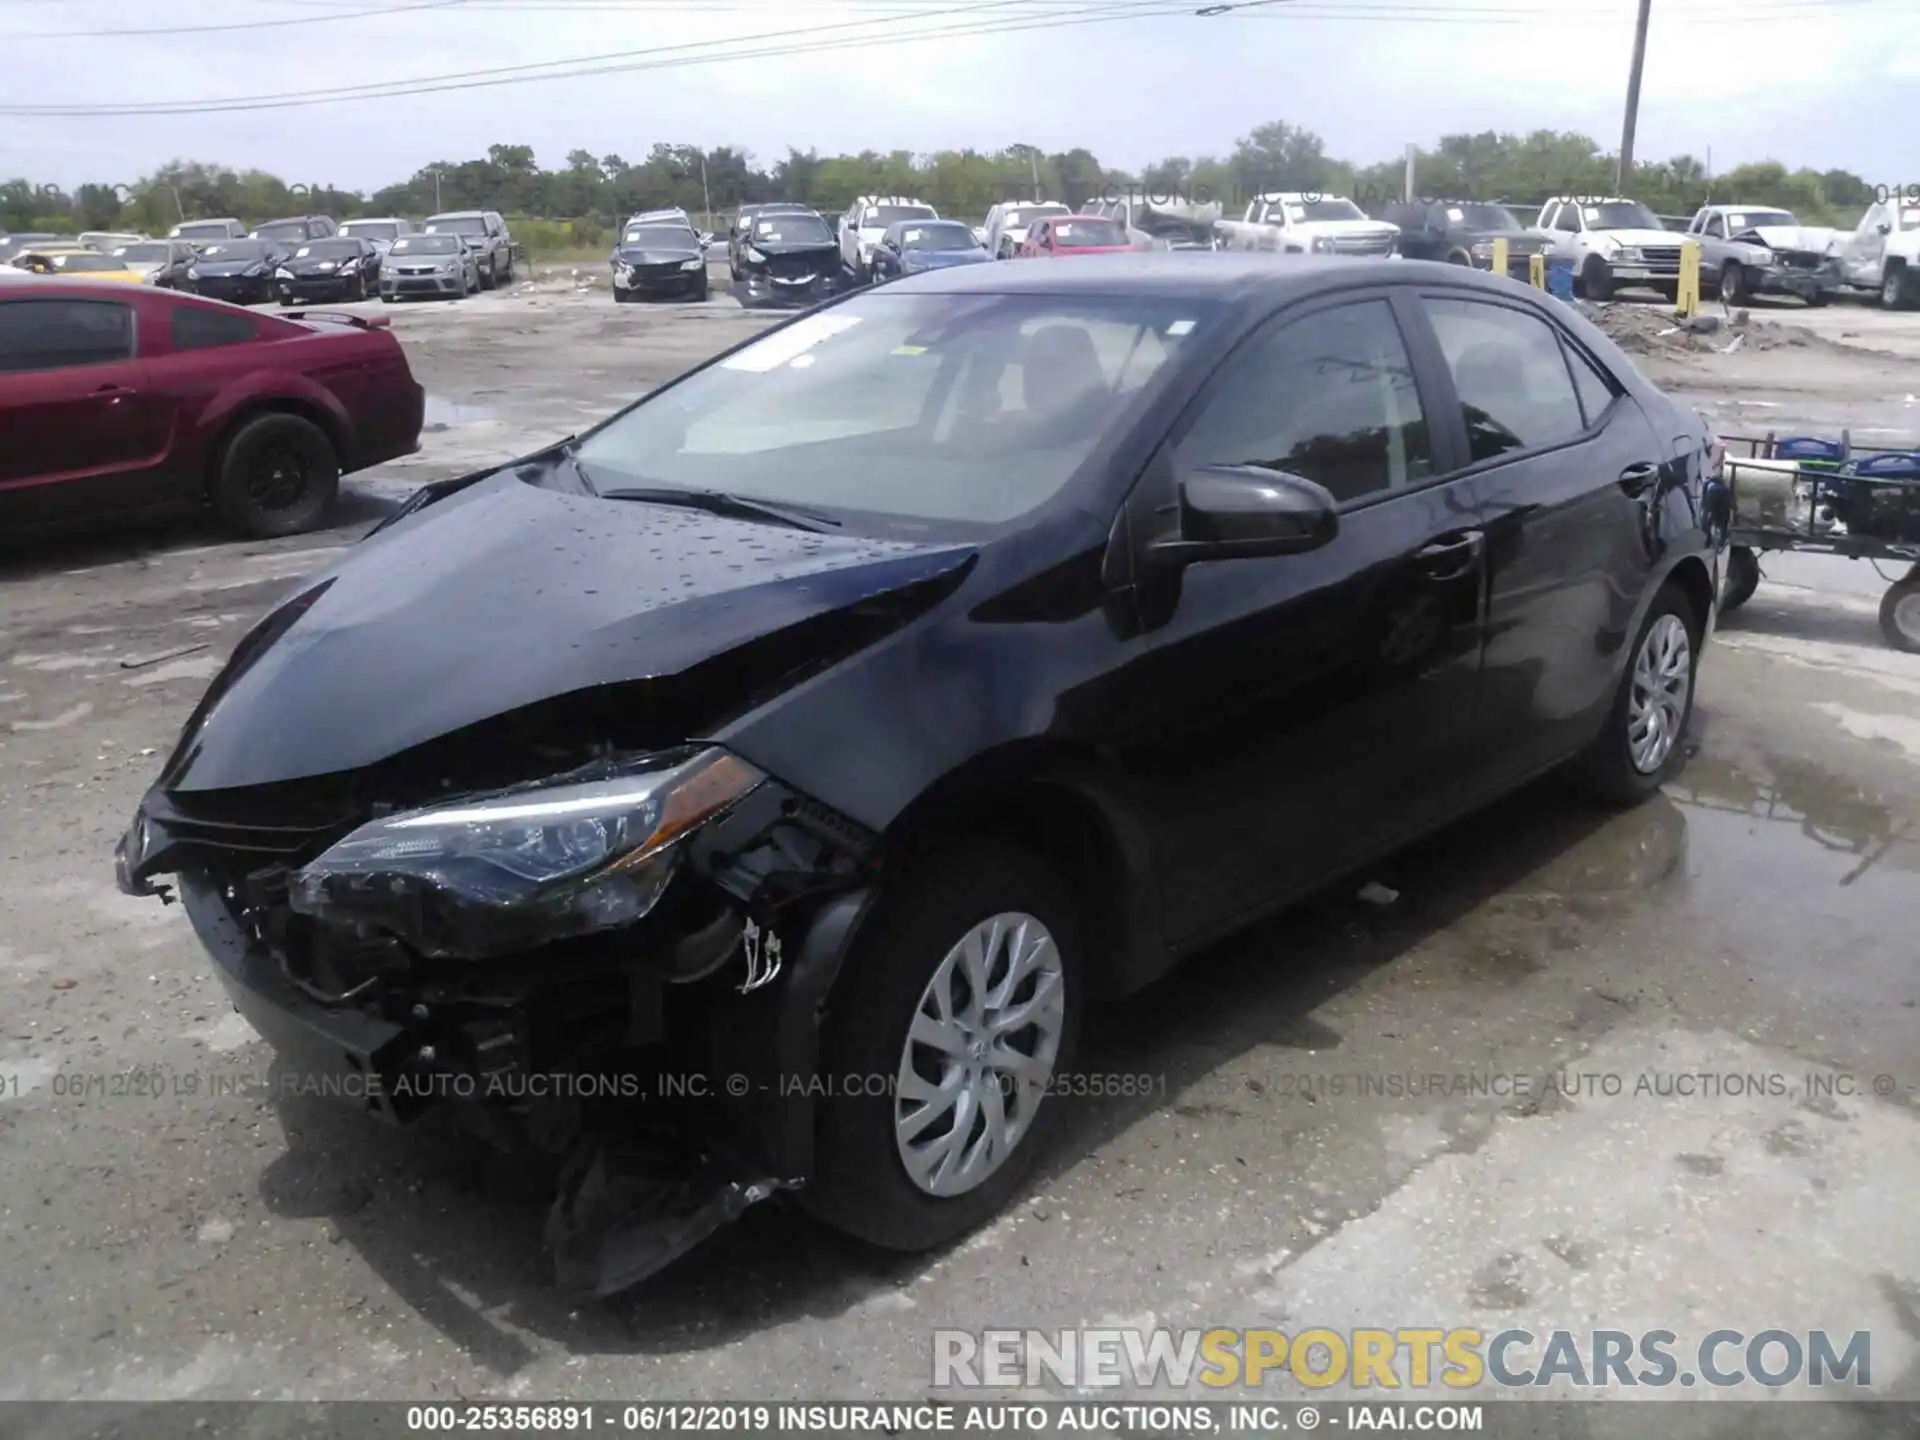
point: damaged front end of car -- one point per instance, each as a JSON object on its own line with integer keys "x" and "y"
{"x": 616, "y": 969}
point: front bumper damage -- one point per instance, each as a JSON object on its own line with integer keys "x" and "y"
{"x": 1803, "y": 276}
{"x": 666, "y": 1071}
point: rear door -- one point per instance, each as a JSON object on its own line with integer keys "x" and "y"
{"x": 1292, "y": 715}
{"x": 81, "y": 428}
{"x": 1563, "y": 464}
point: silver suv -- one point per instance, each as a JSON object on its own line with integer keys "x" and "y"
{"x": 486, "y": 235}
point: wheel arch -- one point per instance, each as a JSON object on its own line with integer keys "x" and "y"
{"x": 1694, "y": 580}
{"x": 338, "y": 433}
{"x": 1072, "y": 809}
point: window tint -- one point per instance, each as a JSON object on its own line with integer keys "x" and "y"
{"x": 54, "y": 334}
{"x": 197, "y": 327}
{"x": 1596, "y": 391}
{"x": 1330, "y": 397}
{"x": 1509, "y": 369}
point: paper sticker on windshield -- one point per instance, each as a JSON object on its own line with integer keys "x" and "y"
{"x": 303, "y": 250}
{"x": 784, "y": 345}
{"x": 1180, "y": 327}
{"x": 1296, "y": 212}
{"x": 1456, "y": 214}
{"x": 766, "y": 227}
{"x": 913, "y": 235}
{"x": 909, "y": 350}
{"x": 1592, "y": 215}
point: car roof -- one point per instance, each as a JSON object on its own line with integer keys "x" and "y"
{"x": 458, "y": 215}
{"x": 1194, "y": 274}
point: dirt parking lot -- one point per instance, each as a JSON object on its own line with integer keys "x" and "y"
{"x": 1288, "y": 1159}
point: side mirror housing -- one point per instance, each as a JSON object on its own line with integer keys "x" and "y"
{"x": 1885, "y": 229}
{"x": 1234, "y": 511}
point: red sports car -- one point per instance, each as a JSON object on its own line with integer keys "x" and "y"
{"x": 117, "y": 399}
{"x": 1058, "y": 236}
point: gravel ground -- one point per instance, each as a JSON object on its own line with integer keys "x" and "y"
{"x": 1757, "y": 920}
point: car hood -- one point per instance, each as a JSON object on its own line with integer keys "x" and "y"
{"x": 795, "y": 247}
{"x": 1817, "y": 238}
{"x": 1346, "y": 227}
{"x": 505, "y": 594}
{"x": 320, "y": 267}
{"x": 654, "y": 254}
{"x": 143, "y": 268}
{"x": 941, "y": 259}
{"x": 1640, "y": 237}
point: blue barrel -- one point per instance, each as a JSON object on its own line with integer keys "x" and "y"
{"x": 1895, "y": 465}
{"x": 1560, "y": 279}
{"x": 1809, "y": 447}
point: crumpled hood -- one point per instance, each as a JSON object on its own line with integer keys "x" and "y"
{"x": 1816, "y": 238}
{"x": 505, "y": 594}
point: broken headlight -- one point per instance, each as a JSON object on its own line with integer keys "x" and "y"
{"x": 499, "y": 873}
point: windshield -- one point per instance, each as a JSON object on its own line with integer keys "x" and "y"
{"x": 465, "y": 225}
{"x": 282, "y": 230}
{"x": 878, "y": 217}
{"x": 1299, "y": 210}
{"x": 142, "y": 254}
{"x": 792, "y": 229}
{"x": 1073, "y": 233}
{"x": 1620, "y": 215}
{"x": 427, "y": 245}
{"x": 667, "y": 237}
{"x": 946, "y": 235}
{"x": 238, "y": 250}
{"x": 1752, "y": 219}
{"x": 328, "y": 250}
{"x": 202, "y": 230}
{"x": 74, "y": 264}
{"x": 1024, "y": 216}
{"x": 371, "y": 229}
{"x": 968, "y": 409}
{"x": 1484, "y": 217}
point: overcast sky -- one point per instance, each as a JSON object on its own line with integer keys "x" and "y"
{"x": 1826, "y": 83}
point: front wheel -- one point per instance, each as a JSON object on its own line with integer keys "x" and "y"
{"x": 1900, "y": 614}
{"x": 1733, "y": 285}
{"x": 1596, "y": 279}
{"x": 1896, "y": 292}
{"x": 1643, "y": 742}
{"x": 1741, "y": 580}
{"x": 958, "y": 1016}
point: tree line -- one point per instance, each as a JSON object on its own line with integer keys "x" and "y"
{"x": 590, "y": 193}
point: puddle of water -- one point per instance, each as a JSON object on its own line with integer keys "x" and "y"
{"x": 1820, "y": 876}
{"x": 442, "y": 411}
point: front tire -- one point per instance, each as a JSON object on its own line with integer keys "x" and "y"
{"x": 964, "y": 993}
{"x": 1896, "y": 288}
{"x": 1643, "y": 742}
{"x": 276, "y": 476}
{"x": 1596, "y": 278}
{"x": 1733, "y": 284}
{"x": 1741, "y": 580}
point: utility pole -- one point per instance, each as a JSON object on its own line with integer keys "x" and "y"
{"x": 1413, "y": 157}
{"x": 1633, "y": 97}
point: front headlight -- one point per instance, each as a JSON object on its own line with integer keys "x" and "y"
{"x": 193, "y": 272}
{"x": 1764, "y": 257}
{"x": 1626, "y": 252}
{"x": 498, "y": 873}
{"x": 696, "y": 263}
{"x": 753, "y": 253}
{"x": 1322, "y": 244}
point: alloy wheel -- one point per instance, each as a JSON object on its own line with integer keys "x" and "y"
{"x": 1662, "y": 683}
{"x": 979, "y": 1054}
{"x": 277, "y": 477}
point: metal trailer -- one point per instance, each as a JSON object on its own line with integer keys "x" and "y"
{"x": 1805, "y": 494}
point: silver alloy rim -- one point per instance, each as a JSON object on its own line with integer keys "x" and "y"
{"x": 1657, "y": 703}
{"x": 980, "y": 1053}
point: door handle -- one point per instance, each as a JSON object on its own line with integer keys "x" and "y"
{"x": 1453, "y": 556}
{"x": 1637, "y": 477}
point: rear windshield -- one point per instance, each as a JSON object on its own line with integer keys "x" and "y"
{"x": 427, "y": 245}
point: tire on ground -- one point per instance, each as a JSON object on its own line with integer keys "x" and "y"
{"x": 276, "y": 475}
{"x": 1606, "y": 767}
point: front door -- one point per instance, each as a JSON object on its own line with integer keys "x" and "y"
{"x": 80, "y": 426}
{"x": 1863, "y": 251}
{"x": 1287, "y": 716}
{"x": 1565, "y": 466}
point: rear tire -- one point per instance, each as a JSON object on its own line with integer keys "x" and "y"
{"x": 277, "y": 475}
{"x": 1900, "y": 614}
{"x": 1741, "y": 580}
{"x": 1896, "y": 288}
{"x": 1644, "y": 740}
{"x": 861, "y": 1184}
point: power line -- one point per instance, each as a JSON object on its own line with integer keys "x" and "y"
{"x": 235, "y": 24}
{"x": 630, "y": 60}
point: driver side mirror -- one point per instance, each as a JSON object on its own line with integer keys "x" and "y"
{"x": 1884, "y": 228}
{"x": 1231, "y": 512}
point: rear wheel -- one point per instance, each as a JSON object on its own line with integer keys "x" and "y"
{"x": 276, "y": 476}
{"x": 1643, "y": 742}
{"x": 964, "y": 998}
{"x": 1742, "y": 578}
{"x": 1900, "y": 614}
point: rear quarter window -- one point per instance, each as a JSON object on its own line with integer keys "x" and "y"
{"x": 198, "y": 327}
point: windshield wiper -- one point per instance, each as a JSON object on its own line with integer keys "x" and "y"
{"x": 722, "y": 502}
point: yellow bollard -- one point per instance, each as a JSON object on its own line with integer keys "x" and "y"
{"x": 1687, "y": 297}
{"x": 1499, "y": 254}
{"x": 1537, "y": 271}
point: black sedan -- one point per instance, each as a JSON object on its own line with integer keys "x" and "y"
{"x": 655, "y": 261}
{"x": 237, "y": 270}
{"x": 805, "y": 746}
{"x": 789, "y": 257}
{"x": 341, "y": 268}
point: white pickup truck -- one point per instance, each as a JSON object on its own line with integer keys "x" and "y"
{"x": 1297, "y": 223}
{"x": 1609, "y": 243}
{"x": 1883, "y": 252}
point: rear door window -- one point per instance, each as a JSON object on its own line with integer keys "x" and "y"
{"x": 57, "y": 334}
{"x": 1510, "y": 371}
